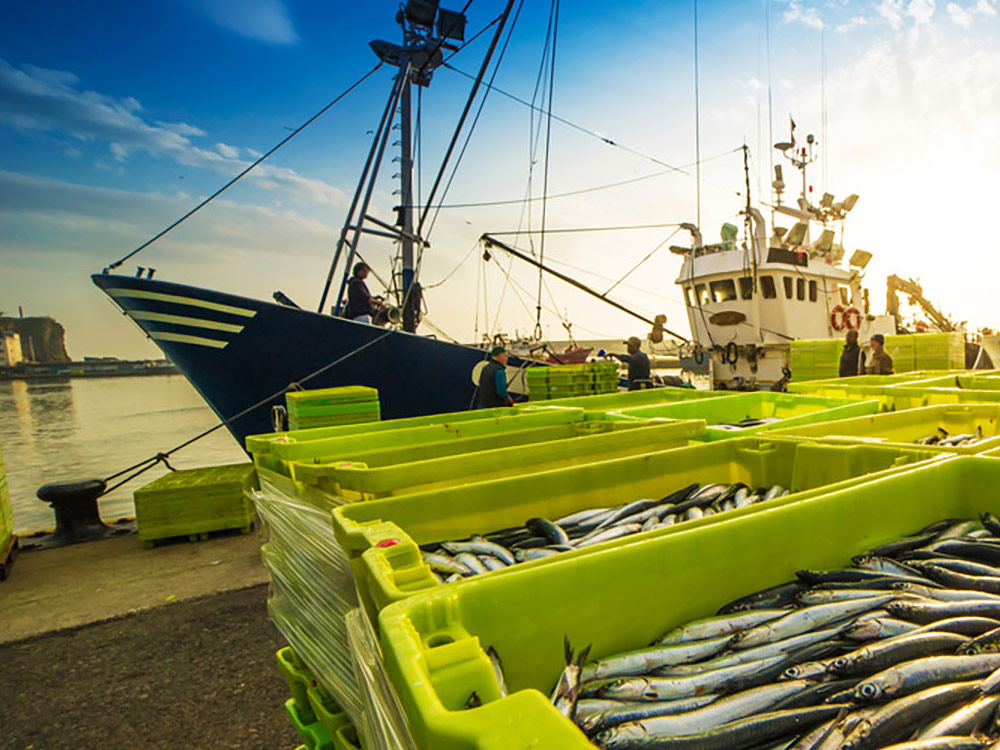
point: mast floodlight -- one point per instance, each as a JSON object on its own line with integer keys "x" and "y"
{"x": 387, "y": 52}
{"x": 451, "y": 25}
{"x": 810, "y": 139}
{"x": 860, "y": 259}
{"x": 784, "y": 146}
{"x": 422, "y": 12}
{"x": 827, "y": 200}
{"x": 849, "y": 202}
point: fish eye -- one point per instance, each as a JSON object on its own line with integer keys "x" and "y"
{"x": 839, "y": 663}
{"x": 791, "y": 673}
{"x": 869, "y": 691}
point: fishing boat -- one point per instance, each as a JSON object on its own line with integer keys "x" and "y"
{"x": 748, "y": 298}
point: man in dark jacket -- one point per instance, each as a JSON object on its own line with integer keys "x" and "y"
{"x": 361, "y": 305}
{"x": 638, "y": 365}
{"x": 852, "y": 359}
{"x": 881, "y": 362}
{"x": 493, "y": 381}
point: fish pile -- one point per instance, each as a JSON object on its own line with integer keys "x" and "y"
{"x": 941, "y": 437}
{"x": 900, "y": 651}
{"x": 744, "y": 423}
{"x": 541, "y": 537}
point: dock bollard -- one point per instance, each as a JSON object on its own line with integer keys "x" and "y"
{"x": 75, "y": 506}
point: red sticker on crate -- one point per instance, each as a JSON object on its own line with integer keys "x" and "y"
{"x": 387, "y": 543}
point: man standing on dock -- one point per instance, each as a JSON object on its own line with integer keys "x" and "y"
{"x": 852, "y": 360}
{"x": 638, "y": 365}
{"x": 881, "y": 362}
{"x": 493, "y": 381}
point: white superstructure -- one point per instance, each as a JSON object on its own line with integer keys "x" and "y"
{"x": 748, "y": 297}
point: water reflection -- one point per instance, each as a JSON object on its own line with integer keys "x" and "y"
{"x": 77, "y": 429}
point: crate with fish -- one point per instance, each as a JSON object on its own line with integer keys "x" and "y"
{"x": 887, "y": 398}
{"x": 195, "y": 502}
{"x": 400, "y": 546}
{"x": 959, "y": 428}
{"x": 423, "y": 441}
{"x": 749, "y": 413}
{"x": 586, "y": 442}
{"x": 875, "y": 621}
{"x": 938, "y": 396}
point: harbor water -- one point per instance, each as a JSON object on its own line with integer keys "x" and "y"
{"x": 68, "y": 430}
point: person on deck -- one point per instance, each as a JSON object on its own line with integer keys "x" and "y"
{"x": 852, "y": 359}
{"x": 361, "y": 305}
{"x": 493, "y": 381}
{"x": 638, "y": 365}
{"x": 881, "y": 362}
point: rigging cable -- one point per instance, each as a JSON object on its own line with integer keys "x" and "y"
{"x": 648, "y": 256}
{"x": 697, "y": 122}
{"x": 246, "y": 171}
{"x": 162, "y": 457}
{"x": 545, "y": 179}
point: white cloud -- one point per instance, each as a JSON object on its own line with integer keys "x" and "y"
{"x": 921, "y": 11}
{"x": 853, "y": 23}
{"x": 986, "y": 7}
{"x": 807, "y": 16}
{"x": 230, "y": 152}
{"x": 892, "y": 11}
{"x": 48, "y": 101}
{"x": 959, "y": 15}
{"x": 262, "y": 20}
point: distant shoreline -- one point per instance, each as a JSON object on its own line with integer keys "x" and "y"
{"x": 69, "y": 370}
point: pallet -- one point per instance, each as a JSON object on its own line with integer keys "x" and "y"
{"x": 198, "y": 537}
{"x": 7, "y": 555}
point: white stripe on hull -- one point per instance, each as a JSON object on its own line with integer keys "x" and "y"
{"x": 184, "y": 338}
{"x": 183, "y": 320}
{"x": 192, "y": 301}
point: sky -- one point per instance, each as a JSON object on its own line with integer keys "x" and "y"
{"x": 116, "y": 118}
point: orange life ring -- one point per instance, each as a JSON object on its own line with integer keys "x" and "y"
{"x": 852, "y": 318}
{"x": 837, "y": 318}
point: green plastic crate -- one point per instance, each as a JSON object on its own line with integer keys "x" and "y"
{"x": 196, "y": 501}
{"x": 329, "y": 396}
{"x": 299, "y": 680}
{"x": 792, "y": 409}
{"x": 627, "y": 399}
{"x": 338, "y": 725}
{"x": 345, "y": 446}
{"x": 384, "y": 574}
{"x": 902, "y": 428}
{"x": 592, "y": 441}
{"x": 434, "y": 644}
{"x": 263, "y": 445}
{"x": 354, "y": 408}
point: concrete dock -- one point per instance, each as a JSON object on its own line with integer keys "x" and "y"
{"x": 109, "y": 644}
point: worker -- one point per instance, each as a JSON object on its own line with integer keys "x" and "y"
{"x": 852, "y": 359}
{"x": 361, "y": 305}
{"x": 493, "y": 381}
{"x": 881, "y": 362}
{"x": 638, "y": 365}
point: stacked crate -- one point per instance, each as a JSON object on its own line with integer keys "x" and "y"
{"x": 815, "y": 360}
{"x": 7, "y": 539}
{"x": 564, "y": 381}
{"x": 194, "y": 502}
{"x": 902, "y": 350}
{"x": 352, "y": 404}
{"x": 314, "y": 714}
{"x": 938, "y": 351}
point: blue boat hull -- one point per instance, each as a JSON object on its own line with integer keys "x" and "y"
{"x": 238, "y": 351}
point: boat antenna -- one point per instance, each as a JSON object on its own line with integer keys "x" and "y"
{"x": 245, "y": 172}
{"x": 554, "y": 24}
{"x": 697, "y": 123}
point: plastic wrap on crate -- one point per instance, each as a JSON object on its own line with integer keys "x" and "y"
{"x": 311, "y": 585}
{"x": 384, "y": 726}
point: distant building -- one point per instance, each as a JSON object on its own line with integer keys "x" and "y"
{"x": 10, "y": 349}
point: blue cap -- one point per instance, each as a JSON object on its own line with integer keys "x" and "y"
{"x": 879, "y": 338}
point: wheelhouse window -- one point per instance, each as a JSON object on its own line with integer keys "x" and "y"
{"x": 723, "y": 291}
{"x": 788, "y": 286}
{"x": 702, "y": 293}
{"x": 813, "y": 292}
{"x": 767, "y": 289}
{"x": 845, "y": 295}
{"x": 689, "y": 293}
{"x": 746, "y": 287}
{"x": 800, "y": 289}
